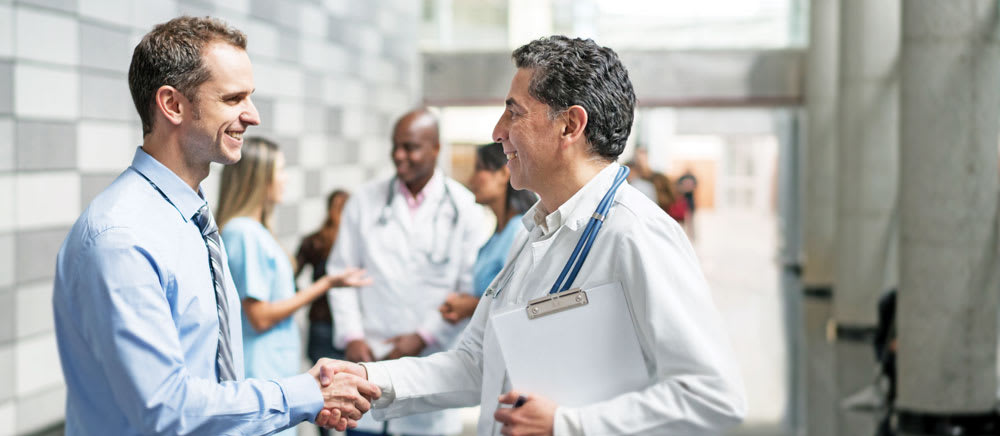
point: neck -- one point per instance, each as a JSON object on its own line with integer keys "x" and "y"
{"x": 166, "y": 149}
{"x": 257, "y": 214}
{"x": 419, "y": 185}
{"x": 568, "y": 181}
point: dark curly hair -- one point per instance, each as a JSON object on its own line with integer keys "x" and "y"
{"x": 574, "y": 71}
{"x": 171, "y": 54}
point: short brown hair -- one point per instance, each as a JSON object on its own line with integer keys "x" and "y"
{"x": 171, "y": 54}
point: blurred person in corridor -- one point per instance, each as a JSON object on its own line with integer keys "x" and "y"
{"x": 262, "y": 271}
{"x": 313, "y": 251}
{"x": 490, "y": 183}
{"x": 667, "y": 198}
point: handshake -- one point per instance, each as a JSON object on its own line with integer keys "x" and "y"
{"x": 347, "y": 393}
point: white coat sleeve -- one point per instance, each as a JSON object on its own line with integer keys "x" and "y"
{"x": 697, "y": 388}
{"x": 442, "y": 380}
{"x": 346, "y": 253}
{"x": 468, "y": 248}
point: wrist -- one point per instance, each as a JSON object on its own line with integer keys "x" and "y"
{"x": 426, "y": 337}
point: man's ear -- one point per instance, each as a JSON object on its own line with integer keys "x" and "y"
{"x": 171, "y": 104}
{"x": 575, "y": 119}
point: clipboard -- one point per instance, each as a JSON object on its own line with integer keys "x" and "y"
{"x": 576, "y": 347}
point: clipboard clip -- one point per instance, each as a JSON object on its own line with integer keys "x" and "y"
{"x": 555, "y": 303}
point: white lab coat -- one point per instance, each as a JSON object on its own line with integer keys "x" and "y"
{"x": 695, "y": 387}
{"x": 408, "y": 287}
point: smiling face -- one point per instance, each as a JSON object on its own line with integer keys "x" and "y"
{"x": 530, "y": 139}
{"x": 415, "y": 149}
{"x": 222, "y": 109}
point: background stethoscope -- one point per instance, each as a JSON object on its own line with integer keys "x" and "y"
{"x": 383, "y": 219}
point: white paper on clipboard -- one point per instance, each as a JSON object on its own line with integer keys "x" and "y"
{"x": 576, "y": 356}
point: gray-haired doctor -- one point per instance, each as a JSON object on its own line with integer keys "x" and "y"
{"x": 568, "y": 114}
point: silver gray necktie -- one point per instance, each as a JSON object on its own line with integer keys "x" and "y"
{"x": 210, "y": 233}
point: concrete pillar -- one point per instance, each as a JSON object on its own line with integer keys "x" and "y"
{"x": 819, "y": 202}
{"x": 789, "y": 132}
{"x": 950, "y": 275}
{"x": 867, "y": 181}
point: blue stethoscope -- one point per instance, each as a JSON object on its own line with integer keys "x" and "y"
{"x": 383, "y": 219}
{"x": 582, "y": 249}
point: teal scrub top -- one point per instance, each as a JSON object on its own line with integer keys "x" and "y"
{"x": 493, "y": 254}
{"x": 263, "y": 271}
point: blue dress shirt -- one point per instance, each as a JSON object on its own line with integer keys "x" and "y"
{"x": 493, "y": 254}
{"x": 137, "y": 327}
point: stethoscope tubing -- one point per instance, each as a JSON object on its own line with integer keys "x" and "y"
{"x": 383, "y": 220}
{"x": 582, "y": 249}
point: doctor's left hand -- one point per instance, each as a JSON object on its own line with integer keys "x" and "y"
{"x": 535, "y": 417}
{"x": 405, "y": 345}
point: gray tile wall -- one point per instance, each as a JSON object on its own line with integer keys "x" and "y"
{"x": 330, "y": 75}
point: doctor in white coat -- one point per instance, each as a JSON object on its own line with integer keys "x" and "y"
{"x": 568, "y": 114}
{"x": 417, "y": 235}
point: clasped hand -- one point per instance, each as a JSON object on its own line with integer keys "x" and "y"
{"x": 347, "y": 393}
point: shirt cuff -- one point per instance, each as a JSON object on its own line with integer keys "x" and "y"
{"x": 427, "y": 337}
{"x": 378, "y": 375}
{"x": 303, "y": 397}
{"x": 348, "y": 338}
{"x": 566, "y": 423}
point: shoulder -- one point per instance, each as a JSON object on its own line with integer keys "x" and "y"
{"x": 242, "y": 227}
{"x": 372, "y": 189}
{"x": 123, "y": 208}
{"x": 637, "y": 219}
{"x": 459, "y": 191}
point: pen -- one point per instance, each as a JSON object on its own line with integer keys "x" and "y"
{"x": 521, "y": 399}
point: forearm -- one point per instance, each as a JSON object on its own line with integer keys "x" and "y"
{"x": 416, "y": 385}
{"x": 266, "y": 314}
{"x": 681, "y": 405}
{"x": 186, "y": 405}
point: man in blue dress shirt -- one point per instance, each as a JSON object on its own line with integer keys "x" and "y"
{"x": 147, "y": 317}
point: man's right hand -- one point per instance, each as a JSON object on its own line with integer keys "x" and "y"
{"x": 358, "y": 351}
{"x": 346, "y": 393}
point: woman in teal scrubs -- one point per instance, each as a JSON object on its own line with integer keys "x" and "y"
{"x": 491, "y": 185}
{"x": 261, "y": 269}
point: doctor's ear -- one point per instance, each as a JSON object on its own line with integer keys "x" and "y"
{"x": 171, "y": 103}
{"x": 575, "y": 118}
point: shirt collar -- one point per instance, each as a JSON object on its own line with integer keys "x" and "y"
{"x": 177, "y": 193}
{"x": 433, "y": 187}
{"x": 577, "y": 209}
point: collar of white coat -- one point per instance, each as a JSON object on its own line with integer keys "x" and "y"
{"x": 432, "y": 191}
{"x": 575, "y": 212}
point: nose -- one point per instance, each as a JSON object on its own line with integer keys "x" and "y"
{"x": 250, "y": 116}
{"x": 500, "y": 130}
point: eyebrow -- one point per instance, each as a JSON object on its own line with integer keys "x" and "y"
{"x": 237, "y": 93}
{"x": 512, "y": 102}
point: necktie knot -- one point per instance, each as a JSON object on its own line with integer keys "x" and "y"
{"x": 203, "y": 219}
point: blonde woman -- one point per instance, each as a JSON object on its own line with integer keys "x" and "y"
{"x": 261, "y": 269}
